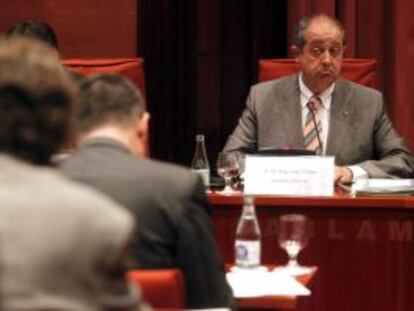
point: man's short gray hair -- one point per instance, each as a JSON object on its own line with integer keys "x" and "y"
{"x": 299, "y": 31}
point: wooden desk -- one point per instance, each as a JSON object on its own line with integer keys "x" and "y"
{"x": 363, "y": 247}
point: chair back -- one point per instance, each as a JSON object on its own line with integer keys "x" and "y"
{"x": 362, "y": 71}
{"x": 161, "y": 288}
{"x": 133, "y": 68}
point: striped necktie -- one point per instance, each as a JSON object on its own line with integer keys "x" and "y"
{"x": 312, "y": 130}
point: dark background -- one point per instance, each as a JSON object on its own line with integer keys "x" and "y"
{"x": 201, "y": 55}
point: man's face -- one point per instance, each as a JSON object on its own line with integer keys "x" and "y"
{"x": 321, "y": 56}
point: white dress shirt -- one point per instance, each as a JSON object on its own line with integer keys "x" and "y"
{"x": 324, "y": 114}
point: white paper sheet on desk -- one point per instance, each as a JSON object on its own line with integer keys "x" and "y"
{"x": 263, "y": 283}
{"x": 383, "y": 186}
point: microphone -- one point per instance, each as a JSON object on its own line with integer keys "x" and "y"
{"x": 312, "y": 111}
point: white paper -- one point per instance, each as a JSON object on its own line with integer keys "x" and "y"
{"x": 258, "y": 283}
{"x": 382, "y": 185}
{"x": 285, "y": 175}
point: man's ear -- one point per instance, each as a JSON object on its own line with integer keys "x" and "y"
{"x": 142, "y": 127}
{"x": 142, "y": 135}
{"x": 295, "y": 51}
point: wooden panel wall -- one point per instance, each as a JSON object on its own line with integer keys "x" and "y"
{"x": 93, "y": 28}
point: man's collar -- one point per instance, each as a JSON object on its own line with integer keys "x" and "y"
{"x": 104, "y": 140}
{"x": 307, "y": 93}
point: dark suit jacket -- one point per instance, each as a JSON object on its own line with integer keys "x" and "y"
{"x": 360, "y": 131}
{"x": 172, "y": 212}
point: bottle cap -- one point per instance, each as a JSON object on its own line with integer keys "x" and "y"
{"x": 248, "y": 199}
{"x": 199, "y": 137}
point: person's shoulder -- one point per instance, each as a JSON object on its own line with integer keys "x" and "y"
{"x": 283, "y": 82}
{"x": 175, "y": 177}
{"x": 269, "y": 92}
{"x": 357, "y": 88}
{"x": 104, "y": 226}
{"x": 49, "y": 192}
{"x": 84, "y": 202}
{"x": 271, "y": 89}
{"x": 174, "y": 188}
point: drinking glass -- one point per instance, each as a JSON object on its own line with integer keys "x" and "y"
{"x": 293, "y": 236}
{"x": 227, "y": 167}
{"x": 238, "y": 182}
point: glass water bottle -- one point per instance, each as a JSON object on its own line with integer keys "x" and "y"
{"x": 200, "y": 161}
{"x": 248, "y": 237}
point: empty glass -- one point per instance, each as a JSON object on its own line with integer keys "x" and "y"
{"x": 293, "y": 236}
{"x": 238, "y": 182}
{"x": 227, "y": 167}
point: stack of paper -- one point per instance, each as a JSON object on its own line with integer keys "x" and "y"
{"x": 256, "y": 283}
{"x": 383, "y": 187}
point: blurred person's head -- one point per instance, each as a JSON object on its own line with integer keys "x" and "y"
{"x": 111, "y": 105}
{"x": 37, "y": 30}
{"x": 318, "y": 45}
{"x": 36, "y": 100}
{"x": 41, "y": 31}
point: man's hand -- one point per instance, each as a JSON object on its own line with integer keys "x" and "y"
{"x": 343, "y": 174}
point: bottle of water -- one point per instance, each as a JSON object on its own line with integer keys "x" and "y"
{"x": 248, "y": 236}
{"x": 200, "y": 161}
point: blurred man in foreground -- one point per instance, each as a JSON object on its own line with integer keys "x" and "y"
{"x": 318, "y": 111}
{"x": 169, "y": 202}
{"x": 62, "y": 245}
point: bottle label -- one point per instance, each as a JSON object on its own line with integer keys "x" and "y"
{"x": 247, "y": 253}
{"x": 205, "y": 175}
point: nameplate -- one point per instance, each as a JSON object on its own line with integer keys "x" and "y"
{"x": 298, "y": 175}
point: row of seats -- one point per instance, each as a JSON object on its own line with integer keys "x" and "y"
{"x": 362, "y": 71}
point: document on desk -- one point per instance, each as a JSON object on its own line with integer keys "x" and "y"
{"x": 264, "y": 283}
{"x": 380, "y": 186}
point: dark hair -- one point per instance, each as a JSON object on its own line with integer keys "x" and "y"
{"x": 299, "y": 31}
{"x": 32, "y": 129}
{"x": 107, "y": 98}
{"x": 35, "y": 29}
{"x": 36, "y": 100}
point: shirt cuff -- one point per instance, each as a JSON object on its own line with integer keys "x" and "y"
{"x": 358, "y": 172}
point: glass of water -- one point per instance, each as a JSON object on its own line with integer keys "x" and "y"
{"x": 227, "y": 167}
{"x": 293, "y": 235}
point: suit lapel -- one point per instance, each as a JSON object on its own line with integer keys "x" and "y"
{"x": 292, "y": 115}
{"x": 340, "y": 111}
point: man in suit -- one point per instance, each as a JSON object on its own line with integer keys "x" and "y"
{"x": 62, "y": 244}
{"x": 346, "y": 120}
{"x": 169, "y": 202}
